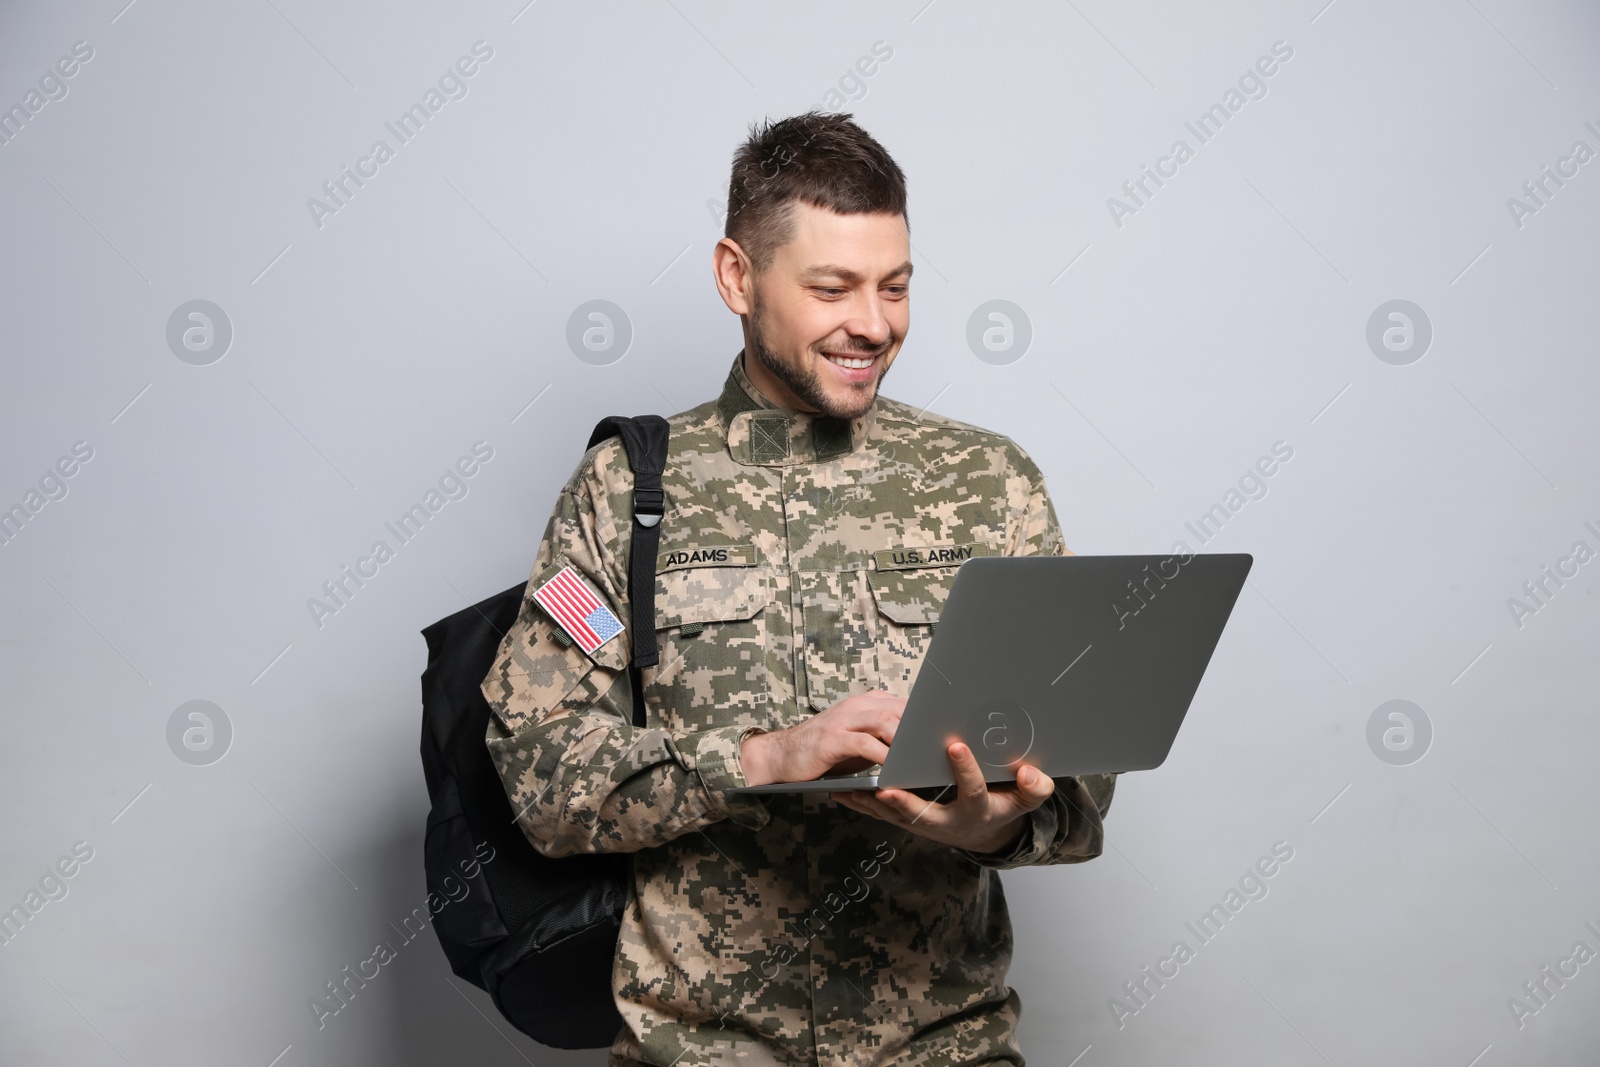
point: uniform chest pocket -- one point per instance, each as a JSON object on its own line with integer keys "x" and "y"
{"x": 840, "y": 634}
{"x": 908, "y": 603}
{"x": 711, "y": 631}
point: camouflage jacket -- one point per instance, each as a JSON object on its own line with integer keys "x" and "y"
{"x": 782, "y": 929}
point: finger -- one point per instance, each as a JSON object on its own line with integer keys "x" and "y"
{"x": 877, "y": 725}
{"x": 970, "y": 783}
{"x": 879, "y": 699}
{"x": 867, "y": 804}
{"x": 867, "y": 746}
{"x": 1033, "y": 788}
{"x": 873, "y": 723}
{"x": 880, "y": 716}
{"x": 852, "y": 800}
{"x": 912, "y": 810}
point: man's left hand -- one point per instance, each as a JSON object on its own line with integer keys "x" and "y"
{"x": 979, "y": 819}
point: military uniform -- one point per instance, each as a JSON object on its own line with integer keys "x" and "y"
{"x": 803, "y": 558}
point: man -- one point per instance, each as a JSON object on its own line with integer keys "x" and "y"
{"x": 861, "y": 928}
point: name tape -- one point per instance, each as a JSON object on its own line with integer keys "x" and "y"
{"x": 901, "y": 559}
{"x": 706, "y": 556}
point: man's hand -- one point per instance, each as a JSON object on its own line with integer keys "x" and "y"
{"x": 850, "y": 736}
{"x": 979, "y": 819}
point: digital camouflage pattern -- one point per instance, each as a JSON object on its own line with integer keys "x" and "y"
{"x": 803, "y": 558}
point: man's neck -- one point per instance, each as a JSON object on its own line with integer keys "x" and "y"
{"x": 768, "y": 385}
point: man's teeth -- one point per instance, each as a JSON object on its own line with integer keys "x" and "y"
{"x": 854, "y": 362}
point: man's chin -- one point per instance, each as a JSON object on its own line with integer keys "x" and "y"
{"x": 847, "y": 399}
{"x": 851, "y": 402}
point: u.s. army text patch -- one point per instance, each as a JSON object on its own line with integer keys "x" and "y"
{"x": 899, "y": 559}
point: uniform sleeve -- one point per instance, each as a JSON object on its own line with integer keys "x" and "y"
{"x": 580, "y": 776}
{"x": 1068, "y": 827}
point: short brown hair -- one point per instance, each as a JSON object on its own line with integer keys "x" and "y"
{"x": 823, "y": 159}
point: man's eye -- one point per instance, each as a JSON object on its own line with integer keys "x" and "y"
{"x": 831, "y": 292}
{"x": 897, "y": 290}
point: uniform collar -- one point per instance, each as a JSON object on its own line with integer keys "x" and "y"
{"x": 762, "y": 434}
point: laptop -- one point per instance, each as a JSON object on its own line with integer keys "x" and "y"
{"x": 1072, "y": 664}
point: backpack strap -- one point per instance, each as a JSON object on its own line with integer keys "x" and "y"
{"x": 645, "y": 438}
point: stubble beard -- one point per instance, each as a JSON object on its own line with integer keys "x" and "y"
{"x": 806, "y": 384}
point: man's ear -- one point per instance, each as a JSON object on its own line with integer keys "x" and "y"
{"x": 732, "y": 271}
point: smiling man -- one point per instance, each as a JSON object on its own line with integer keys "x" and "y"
{"x": 791, "y": 616}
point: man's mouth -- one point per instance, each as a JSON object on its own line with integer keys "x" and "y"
{"x": 849, "y": 362}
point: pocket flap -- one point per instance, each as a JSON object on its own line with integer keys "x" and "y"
{"x": 535, "y": 670}
{"x": 912, "y": 597}
{"x": 710, "y": 594}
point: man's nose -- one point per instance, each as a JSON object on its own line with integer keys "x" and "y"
{"x": 868, "y": 323}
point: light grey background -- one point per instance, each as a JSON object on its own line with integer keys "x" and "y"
{"x": 588, "y": 161}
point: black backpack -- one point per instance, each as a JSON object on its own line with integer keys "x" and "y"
{"x": 537, "y": 934}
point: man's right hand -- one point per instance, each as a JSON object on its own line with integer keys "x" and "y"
{"x": 850, "y": 736}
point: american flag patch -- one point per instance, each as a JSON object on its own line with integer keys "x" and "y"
{"x": 573, "y": 605}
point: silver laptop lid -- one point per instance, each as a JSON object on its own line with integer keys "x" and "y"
{"x": 1077, "y": 664}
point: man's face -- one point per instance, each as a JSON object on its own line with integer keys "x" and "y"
{"x": 829, "y": 314}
